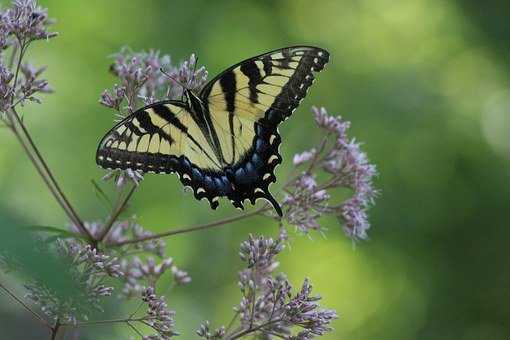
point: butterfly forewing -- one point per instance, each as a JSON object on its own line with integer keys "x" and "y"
{"x": 242, "y": 95}
{"x": 153, "y": 138}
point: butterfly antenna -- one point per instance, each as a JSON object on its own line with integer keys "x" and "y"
{"x": 173, "y": 78}
{"x": 193, "y": 74}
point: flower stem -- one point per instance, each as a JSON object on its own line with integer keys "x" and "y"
{"x": 195, "y": 228}
{"x": 253, "y": 297}
{"x": 19, "y": 129}
{"x": 39, "y": 163}
{"x": 102, "y": 322}
{"x": 231, "y": 323}
{"x": 120, "y": 207}
{"x": 34, "y": 313}
{"x": 54, "y": 330}
{"x": 22, "y": 49}
{"x": 317, "y": 155}
{"x": 251, "y": 330}
{"x": 134, "y": 328}
{"x": 13, "y": 55}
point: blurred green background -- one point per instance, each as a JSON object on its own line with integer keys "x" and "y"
{"x": 426, "y": 84}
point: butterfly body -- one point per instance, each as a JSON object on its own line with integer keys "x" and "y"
{"x": 223, "y": 141}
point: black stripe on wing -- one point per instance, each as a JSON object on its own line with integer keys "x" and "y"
{"x": 251, "y": 70}
{"x": 228, "y": 85}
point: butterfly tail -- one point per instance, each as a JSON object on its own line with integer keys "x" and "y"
{"x": 274, "y": 203}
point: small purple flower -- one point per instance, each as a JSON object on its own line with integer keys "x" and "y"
{"x": 186, "y": 74}
{"x": 94, "y": 228}
{"x": 259, "y": 252}
{"x": 268, "y": 307}
{"x": 141, "y": 79}
{"x": 345, "y": 166}
{"x": 205, "y": 332}
{"x": 21, "y": 24}
{"x": 158, "y": 316}
{"x": 302, "y": 311}
{"x": 30, "y": 84}
{"x": 306, "y": 203}
{"x": 114, "y": 98}
{"x": 330, "y": 123}
{"x": 6, "y": 91}
{"x": 122, "y": 231}
{"x": 123, "y": 177}
{"x": 4, "y": 31}
{"x": 27, "y": 21}
{"x": 304, "y": 157}
{"x": 180, "y": 277}
{"x": 140, "y": 273}
{"x": 88, "y": 268}
{"x": 156, "y": 247}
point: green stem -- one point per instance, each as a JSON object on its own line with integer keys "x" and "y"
{"x": 102, "y": 322}
{"x": 18, "y": 300}
{"x": 134, "y": 328}
{"x": 195, "y": 228}
{"x": 54, "y": 330}
{"x": 13, "y": 56}
{"x": 19, "y": 129}
{"x": 231, "y": 323}
{"x": 317, "y": 155}
{"x": 120, "y": 206}
{"x": 251, "y": 330}
{"x": 39, "y": 163}
{"x": 22, "y": 49}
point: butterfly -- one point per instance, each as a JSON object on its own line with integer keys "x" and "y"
{"x": 222, "y": 141}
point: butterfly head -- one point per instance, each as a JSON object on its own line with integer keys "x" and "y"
{"x": 193, "y": 101}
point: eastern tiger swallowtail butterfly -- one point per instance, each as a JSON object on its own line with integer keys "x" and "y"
{"x": 224, "y": 140}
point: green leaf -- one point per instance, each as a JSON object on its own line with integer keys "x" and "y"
{"x": 52, "y": 230}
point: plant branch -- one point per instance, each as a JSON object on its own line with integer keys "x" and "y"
{"x": 13, "y": 56}
{"x": 276, "y": 335}
{"x": 134, "y": 328}
{"x": 253, "y": 298}
{"x": 231, "y": 323}
{"x": 19, "y": 129}
{"x": 312, "y": 164}
{"x": 22, "y": 49}
{"x": 54, "y": 330}
{"x": 39, "y": 163}
{"x": 252, "y": 329}
{"x": 120, "y": 207}
{"x": 195, "y": 228}
{"x": 102, "y": 322}
{"x": 316, "y": 157}
{"x": 34, "y": 313}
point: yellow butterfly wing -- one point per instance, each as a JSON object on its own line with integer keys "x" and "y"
{"x": 246, "y": 104}
{"x": 152, "y": 140}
